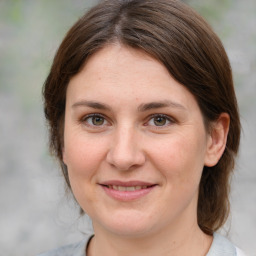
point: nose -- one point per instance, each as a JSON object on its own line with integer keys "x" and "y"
{"x": 125, "y": 152}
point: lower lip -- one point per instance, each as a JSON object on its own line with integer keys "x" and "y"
{"x": 127, "y": 195}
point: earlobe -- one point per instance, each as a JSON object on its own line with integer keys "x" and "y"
{"x": 217, "y": 140}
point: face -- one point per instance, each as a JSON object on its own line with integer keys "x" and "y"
{"x": 134, "y": 143}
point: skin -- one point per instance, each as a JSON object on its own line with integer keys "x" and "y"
{"x": 125, "y": 142}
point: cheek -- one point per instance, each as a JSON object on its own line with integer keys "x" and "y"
{"x": 180, "y": 160}
{"x": 83, "y": 155}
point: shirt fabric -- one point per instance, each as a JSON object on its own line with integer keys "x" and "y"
{"x": 221, "y": 246}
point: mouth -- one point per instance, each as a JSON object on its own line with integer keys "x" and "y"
{"x": 127, "y": 188}
{"x": 127, "y": 191}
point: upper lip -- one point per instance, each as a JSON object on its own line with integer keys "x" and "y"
{"x": 131, "y": 183}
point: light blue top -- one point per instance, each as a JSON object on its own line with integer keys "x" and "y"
{"x": 221, "y": 246}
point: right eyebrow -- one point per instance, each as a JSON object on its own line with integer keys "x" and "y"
{"x": 91, "y": 104}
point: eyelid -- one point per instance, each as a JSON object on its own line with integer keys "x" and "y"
{"x": 92, "y": 115}
{"x": 168, "y": 118}
{"x": 84, "y": 118}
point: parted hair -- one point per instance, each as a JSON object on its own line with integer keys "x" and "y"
{"x": 174, "y": 34}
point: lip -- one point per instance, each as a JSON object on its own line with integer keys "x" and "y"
{"x": 145, "y": 189}
{"x": 131, "y": 183}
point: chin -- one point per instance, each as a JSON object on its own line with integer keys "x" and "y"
{"x": 126, "y": 224}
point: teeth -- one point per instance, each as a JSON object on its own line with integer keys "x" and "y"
{"x": 130, "y": 188}
{"x": 121, "y": 188}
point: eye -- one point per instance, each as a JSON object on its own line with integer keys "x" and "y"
{"x": 95, "y": 120}
{"x": 160, "y": 120}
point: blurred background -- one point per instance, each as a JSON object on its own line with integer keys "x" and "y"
{"x": 36, "y": 214}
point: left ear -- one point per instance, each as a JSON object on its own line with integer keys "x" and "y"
{"x": 217, "y": 139}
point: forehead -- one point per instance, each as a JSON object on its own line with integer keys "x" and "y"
{"x": 120, "y": 57}
{"x": 129, "y": 74}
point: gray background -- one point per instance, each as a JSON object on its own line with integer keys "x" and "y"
{"x": 35, "y": 212}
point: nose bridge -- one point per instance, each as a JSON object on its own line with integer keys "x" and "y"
{"x": 125, "y": 150}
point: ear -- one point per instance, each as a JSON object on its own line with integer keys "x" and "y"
{"x": 217, "y": 140}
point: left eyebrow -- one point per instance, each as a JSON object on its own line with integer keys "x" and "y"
{"x": 160, "y": 104}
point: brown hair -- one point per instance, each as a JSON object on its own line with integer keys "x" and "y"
{"x": 174, "y": 34}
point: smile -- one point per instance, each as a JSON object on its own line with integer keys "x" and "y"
{"x": 127, "y": 191}
{"x": 122, "y": 188}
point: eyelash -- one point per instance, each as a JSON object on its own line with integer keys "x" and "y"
{"x": 151, "y": 117}
{"x": 87, "y": 117}
{"x": 166, "y": 117}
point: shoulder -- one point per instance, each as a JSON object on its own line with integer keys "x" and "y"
{"x": 239, "y": 252}
{"x": 76, "y": 249}
{"x": 221, "y": 246}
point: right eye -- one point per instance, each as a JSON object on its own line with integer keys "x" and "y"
{"x": 95, "y": 120}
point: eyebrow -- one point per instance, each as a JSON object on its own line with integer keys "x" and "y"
{"x": 91, "y": 104}
{"x": 142, "y": 108}
{"x": 160, "y": 104}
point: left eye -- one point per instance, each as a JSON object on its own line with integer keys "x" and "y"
{"x": 159, "y": 120}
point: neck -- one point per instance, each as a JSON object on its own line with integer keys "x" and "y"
{"x": 189, "y": 241}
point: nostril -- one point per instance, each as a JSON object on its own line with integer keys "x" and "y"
{"x": 125, "y": 152}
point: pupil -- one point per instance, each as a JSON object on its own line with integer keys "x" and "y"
{"x": 97, "y": 120}
{"x": 160, "y": 121}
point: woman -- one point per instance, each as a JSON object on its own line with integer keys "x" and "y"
{"x": 144, "y": 121}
